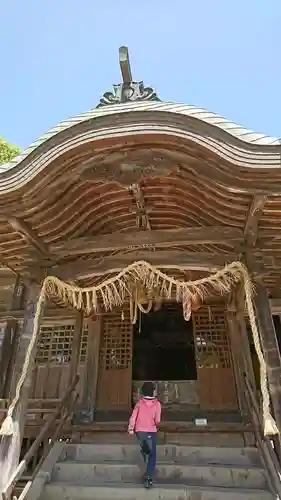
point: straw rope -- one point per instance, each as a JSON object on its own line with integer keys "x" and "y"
{"x": 141, "y": 283}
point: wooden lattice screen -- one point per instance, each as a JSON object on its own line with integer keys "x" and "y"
{"x": 216, "y": 383}
{"x": 115, "y": 368}
{"x": 53, "y": 359}
{"x": 55, "y": 344}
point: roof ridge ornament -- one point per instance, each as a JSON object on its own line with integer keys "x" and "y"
{"x": 128, "y": 91}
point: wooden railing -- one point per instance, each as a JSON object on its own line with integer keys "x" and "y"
{"x": 37, "y": 412}
{"x": 268, "y": 447}
{"x": 62, "y": 413}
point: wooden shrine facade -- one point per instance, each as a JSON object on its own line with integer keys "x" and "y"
{"x": 105, "y": 360}
{"x": 136, "y": 178}
{"x": 100, "y": 349}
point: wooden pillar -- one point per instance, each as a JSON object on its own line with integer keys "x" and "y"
{"x": 88, "y": 400}
{"x": 10, "y": 342}
{"x": 237, "y": 357}
{"x": 239, "y": 303}
{"x": 268, "y": 336}
{"x": 91, "y": 375}
{"x": 76, "y": 346}
{"x": 10, "y": 446}
{"x": 270, "y": 348}
{"x": 241, "y": 359}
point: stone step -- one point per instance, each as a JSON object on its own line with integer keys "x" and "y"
{"x": 113, "y": 491}
{"x": 200, "y": 475}
{"x": 185, "y": 454}
{"x": 180, "y": 434}
{"x": 185, "y": 414}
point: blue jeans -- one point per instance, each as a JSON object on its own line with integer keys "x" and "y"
{"x": 147, "y": 442}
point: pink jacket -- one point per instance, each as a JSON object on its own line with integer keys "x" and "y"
{"x": 146, "y": 415}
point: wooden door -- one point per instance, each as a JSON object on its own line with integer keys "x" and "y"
{"x": 52, "y": 363}
{"x": 115, "y": 365}
{"x": 216, "y": 382}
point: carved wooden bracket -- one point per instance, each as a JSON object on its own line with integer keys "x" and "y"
{"x": 142, "y": 219}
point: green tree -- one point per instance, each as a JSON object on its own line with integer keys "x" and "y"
{"x": 7, "y": 151}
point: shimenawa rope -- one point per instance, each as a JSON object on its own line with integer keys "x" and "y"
{"x": 156, "y": 285}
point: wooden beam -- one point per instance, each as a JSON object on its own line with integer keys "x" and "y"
{"x": 61, "y": 314}
{"x": 29, "y": 235}
{"x": 80, "y": 269}
{"x": 125, "y": 66}
{"x": 54, "y": 314}
{"x": 141, "y": 239}
{"x": 252, "y": 222}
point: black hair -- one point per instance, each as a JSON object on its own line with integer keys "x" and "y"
{"x": 148, "y": 389}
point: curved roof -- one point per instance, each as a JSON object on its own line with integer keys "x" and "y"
{"x": 237, "y": 131}
{"x": 205, "y": 173}
{"x": 250, "y": 161}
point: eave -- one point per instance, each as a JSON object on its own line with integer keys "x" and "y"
{"x": 215, "y": 175}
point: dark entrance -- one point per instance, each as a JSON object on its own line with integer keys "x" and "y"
{"x": 164, "y": 352}
{"x": 163, "y": 346}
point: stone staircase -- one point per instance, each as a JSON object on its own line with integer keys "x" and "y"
{"x": 184, "y": 472}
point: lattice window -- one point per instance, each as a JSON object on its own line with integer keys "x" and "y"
{"x": 116, "y": 350}
{"x": 55, "y": 344}
{"x": 211, "y": 338}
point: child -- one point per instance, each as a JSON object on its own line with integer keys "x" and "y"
{"x": 144, "y": 420}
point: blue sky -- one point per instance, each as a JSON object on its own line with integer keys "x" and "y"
{"x": 59, "y": 56}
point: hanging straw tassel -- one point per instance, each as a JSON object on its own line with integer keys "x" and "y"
{"x": 270, "y": 426}
{"x": 74, "y": 299}
{"x": 88, "y": 302}
{"x": 9, "y": 426}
